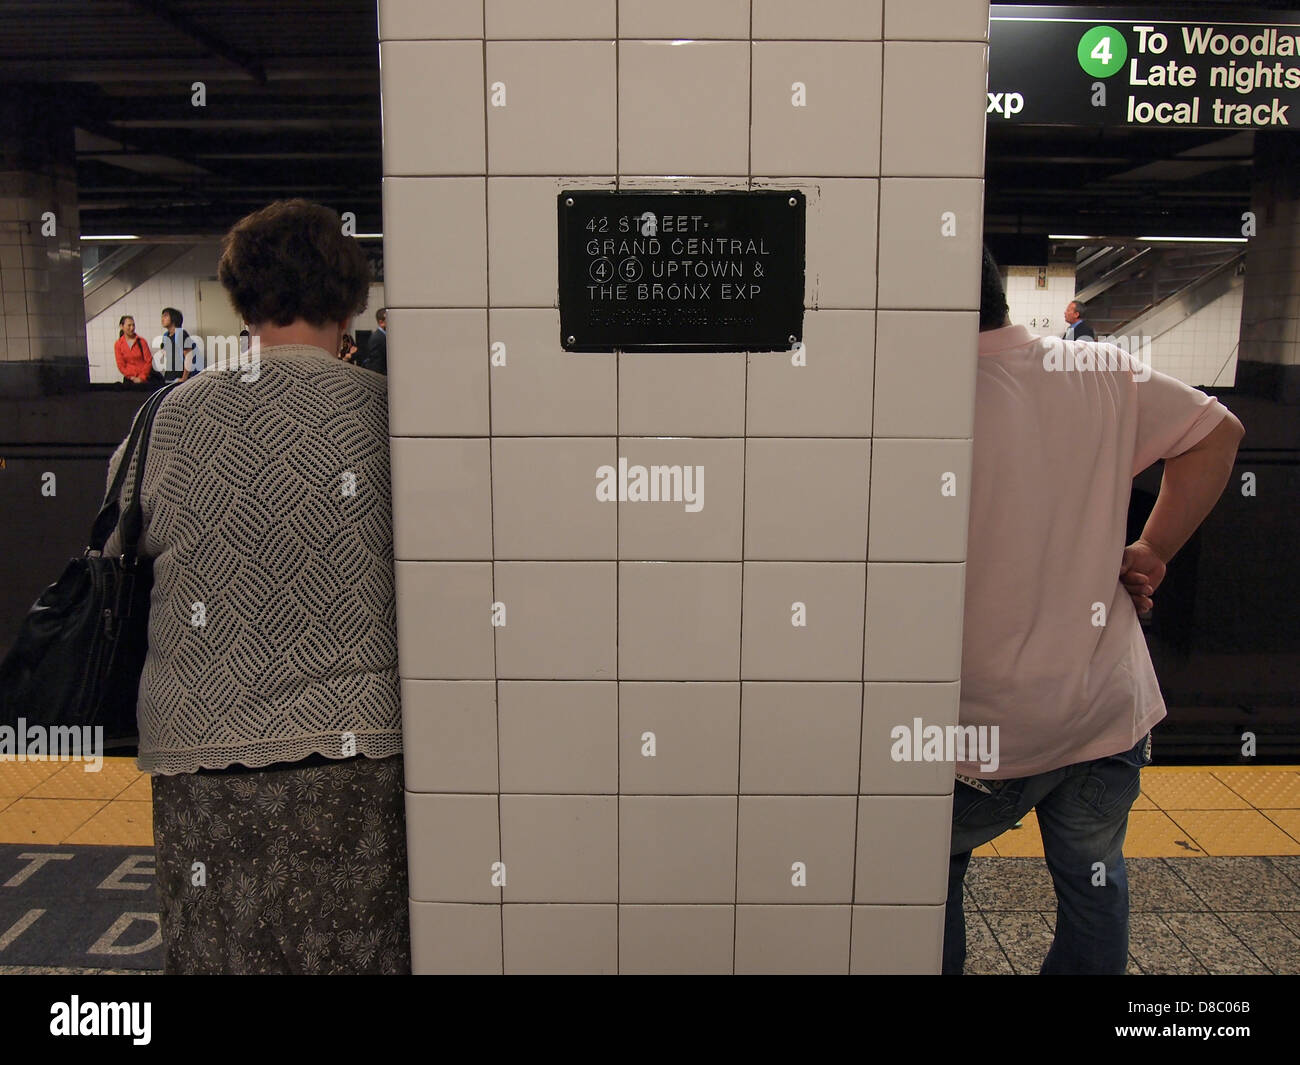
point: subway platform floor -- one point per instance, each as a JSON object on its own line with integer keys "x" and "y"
{"x": 1213, "y": 855}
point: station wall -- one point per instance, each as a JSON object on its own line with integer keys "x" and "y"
{"x": 769, "y": 830}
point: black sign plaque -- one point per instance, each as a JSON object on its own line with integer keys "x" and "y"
{"x": 681, "y": 271}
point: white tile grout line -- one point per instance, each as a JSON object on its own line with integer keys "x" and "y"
{"x": 487, "y": 321}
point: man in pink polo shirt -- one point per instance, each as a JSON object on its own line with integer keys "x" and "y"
{"x": 1053, "y": 656}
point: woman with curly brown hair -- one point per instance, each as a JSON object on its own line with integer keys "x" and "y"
{"x": 268, "y": 707}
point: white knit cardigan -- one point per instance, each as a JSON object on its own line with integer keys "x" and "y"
{"x": 268, "y": 516}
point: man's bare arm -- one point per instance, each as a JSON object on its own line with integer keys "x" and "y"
{"x": 1191, "y": 485}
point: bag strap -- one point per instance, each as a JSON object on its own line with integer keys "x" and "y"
{"x": 133, "y": 519}
{"x": 107, "y": 518}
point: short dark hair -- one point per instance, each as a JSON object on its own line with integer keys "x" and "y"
{"x": 1079, "y": 307}
{"x": 177, "y": 318}
{"x": 290, "y": 260}
{"x": 993, "y": 297}
{"x": 381, "y": 315}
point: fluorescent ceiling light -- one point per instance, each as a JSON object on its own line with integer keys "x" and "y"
{"x": 113, "y": 236}
{"x": 1185, "y": 240}
{"x": 1200, "y": 240}
{"x": 368, "y": 236}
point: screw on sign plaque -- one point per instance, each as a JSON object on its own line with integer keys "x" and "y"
{"x": 681, "y": 271}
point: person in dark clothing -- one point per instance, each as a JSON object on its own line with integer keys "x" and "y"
{"x": 376, "y": 357}
{"x": 1079, "y": 329}
{"x": 177, "y": 347}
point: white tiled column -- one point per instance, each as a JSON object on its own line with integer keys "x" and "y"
{"x": 621, "y": 754}
{"x": 42, "y": 325}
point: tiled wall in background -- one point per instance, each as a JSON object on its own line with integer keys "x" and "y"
{"x": 177, "y": 286}
{"x": 173, "y": 287}
{"x": 40, "y": 275}
{"x": 1201, "y": 350}
{"x": 1042, "y": 310}
{"x": 648, "y": 767}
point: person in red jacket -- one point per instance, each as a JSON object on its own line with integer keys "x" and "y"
{"x": 132, "y": 353}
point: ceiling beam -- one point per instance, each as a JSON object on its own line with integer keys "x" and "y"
{"x": 206, "y": 39}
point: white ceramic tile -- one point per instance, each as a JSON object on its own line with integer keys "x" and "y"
{"x": 560, "y": 940}
{"x": 936, "y": 20}
{"x": 950, "y": 110}
{"x": 920, "y": 500}
{"x": 449, "y": 735}
{"x": 679, "y": 620}
{"x": 433, "y": 118}
{"x": 930, "y": 243}
{"x": 800, "y": 739}
{"x": 694, "y": 19}
{"x": 887, "y": 707}
{"x": 543, "y": 390}
{"x": 840, "y": 268}
{"x": 795, "y": 849}
{"x": 442, "y": 499}
{"x": 455, "y": 939}
{"x": 523, "y": 247}
{"x": 560, "y": 848}
{"x": 459, "y": 839}
{"x": 442, "y": 261}
{"x": 424, "y": 20}
{"x": 817, "y": 20}
{"x": 437, "y": 373}
{"x": 897, "y": 941}
{"x": 551, "y": 20}
{"x": 559, "y": 737}
{"x": 675, "y": 940}
{"x": 695, "y": 732}
{"x": 560, "y": 620}
{"x": 683, "y": 107}
{"x": 693, "y": 394}
{"x": 829, "y": 394}
{"x": 802, "y": 621}
{"x": 677, "y": 848}
{"x": 892, "y": 868}
{"x": 544, "y": 503}
{"x": 444, "y": 620}
{"x": 806, "y": 500}
{"x": 806, "y": 131}
{"x": 701, "y": 520}
{"x": 914, "y": 621}
{"x": 926, "y": 363}
{"x": 559, "y": 114}
{"x": 792, "y": 940}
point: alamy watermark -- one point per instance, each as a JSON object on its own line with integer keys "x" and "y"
{"x": 219, "y": 354}
{"x": 651, "y": 484}
{"x": 1104, "y": 355}
{"x": 78, "y": 1018}
{"x": 919, "y": 742}
{"x": 58, "y": 743}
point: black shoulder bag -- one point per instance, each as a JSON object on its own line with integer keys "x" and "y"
{"x": 81, "y": 649}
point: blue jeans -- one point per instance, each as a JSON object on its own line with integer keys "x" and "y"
{"x": 1083, "y": 815}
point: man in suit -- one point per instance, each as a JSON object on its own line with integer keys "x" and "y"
{"x": 1079, "y": 329}
{"x": 376, "y": 357}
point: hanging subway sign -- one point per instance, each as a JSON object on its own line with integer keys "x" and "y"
{"x": 1144, "y": 67}
{"x": 681, "y": 271}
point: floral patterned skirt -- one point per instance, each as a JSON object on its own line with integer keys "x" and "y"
{"x": 297, "y": 869}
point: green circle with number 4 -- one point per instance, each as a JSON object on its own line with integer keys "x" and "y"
{"x": 1102, "y": 51}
